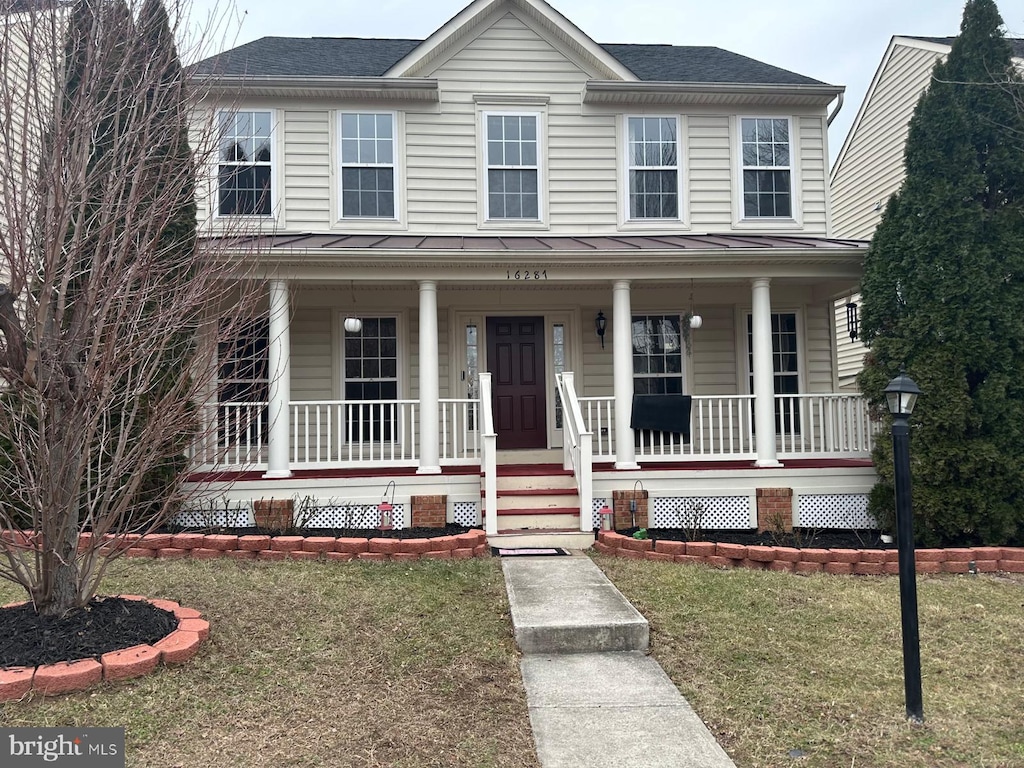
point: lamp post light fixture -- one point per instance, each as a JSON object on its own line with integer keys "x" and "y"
{"x": 600, "y": 323}
{"x": 607, "y": 518}
{"x": 901, "y": 396}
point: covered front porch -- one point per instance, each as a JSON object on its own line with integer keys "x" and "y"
{"x": 462, "y": 354}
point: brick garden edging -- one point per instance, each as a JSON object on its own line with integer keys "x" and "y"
{"x": 199, "y": 546}
{"x": 862, "y": 562}
{"x": 51, "y": 679}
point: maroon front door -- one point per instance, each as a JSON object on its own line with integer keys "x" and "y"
{"x": 515, "y": 358}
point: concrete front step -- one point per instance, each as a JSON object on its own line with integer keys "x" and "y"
{"x": 564, "y": 538}
{"x": 538, "y": 519}
{"x": 540, "y": 482}
{"x": 568, "y": 500}
{"x": 566, "y": 605}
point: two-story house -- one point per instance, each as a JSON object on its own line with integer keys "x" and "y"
{"x": 531, "y": 274}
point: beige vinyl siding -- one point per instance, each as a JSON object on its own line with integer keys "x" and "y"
{"x": 305, "y": 170}
{"x": 714, "y": 356}
{"x": 818, "y": 348}
{"x": 813, "y": 174}
{"x": 312, "y": 354}
{"x": 709, "y": 159}
{"x": 871, "y": 168}
{"x": 849, "y": 354}
{"x": 510, "y": 58}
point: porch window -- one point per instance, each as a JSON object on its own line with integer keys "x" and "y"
{"x": 786, "y": 367}
{"x": 371, "y": 376}
{"x": 653, "y": 156}
{"x": 513, "y": 166}
{"x": 657, "y": 355}
{"x": 245, "y": 165}
{"x": 243, "y": 383}
{"x": 558, "y": 353}
{"x": 367, "y": 165}
{"x": 767, "y": 169}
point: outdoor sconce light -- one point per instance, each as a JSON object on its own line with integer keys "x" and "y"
{"x": 387, "y": 508}
{"x": 632, "y": 503}
{"x": 696, "y": 321}
{"x": 607, "y": 518}
{"x": 852, "y": 321}
{"x": 600, "y": 323}
{"x": 901, "y": 397}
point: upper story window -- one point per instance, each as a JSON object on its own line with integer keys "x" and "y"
{"x": 367, "y": 165}
{"x": 513, "y": 166}
{"x": 653, "y": 157}
{"x": 245, "y": 163}
{"x": 767, "y": 168}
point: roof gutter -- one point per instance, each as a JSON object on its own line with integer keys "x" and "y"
{"x": 424, "y": 88}
{"x": 839, "y": 106}
{"x": 609, "y": 90}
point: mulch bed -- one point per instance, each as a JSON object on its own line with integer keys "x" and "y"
{"x": 801, "y": 538}
{"x": 104, "y": 625}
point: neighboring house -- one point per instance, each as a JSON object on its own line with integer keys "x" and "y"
{"x": 869, "y": 168}
{"x": 483, "y": 252}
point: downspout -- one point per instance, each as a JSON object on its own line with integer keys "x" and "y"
{"x": 839, "y": 106}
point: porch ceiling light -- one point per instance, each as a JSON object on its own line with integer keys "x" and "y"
{"x": 852, "y": 321}
{"x": 387, "y": 508}
{"x": 353, "y": 325}
{"x": 600, "y": 323}
{"x": 901, "y": 395}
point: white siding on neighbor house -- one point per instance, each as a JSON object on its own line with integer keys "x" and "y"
{"x": 870, "y": 169}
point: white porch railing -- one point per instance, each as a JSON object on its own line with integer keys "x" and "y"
{"x": 337, "y": 434}
{"x": 577, "y": 442}
{"x": 722, "y": 428}
{"x": 488, "y": 457}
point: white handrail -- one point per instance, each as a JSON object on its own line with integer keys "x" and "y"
{"x": 579, "y": 447}
{"x": 488, "y": 457}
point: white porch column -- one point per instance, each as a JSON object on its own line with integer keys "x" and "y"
{"x": 430, "y": 463}
{"x": 622, "y": 382}
{"x": 764, "y": 374}
{"x": 279, "y": 364}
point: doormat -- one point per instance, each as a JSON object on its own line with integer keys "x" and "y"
{"x": 528, "y": 551}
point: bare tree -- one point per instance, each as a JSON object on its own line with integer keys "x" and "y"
{"x": 110, "y": 314}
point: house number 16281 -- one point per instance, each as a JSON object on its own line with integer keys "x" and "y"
{"x": 526, "y": 274}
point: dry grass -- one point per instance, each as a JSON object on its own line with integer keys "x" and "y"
{"x": 319, "y": 665}
{"x": 774, "y": 663}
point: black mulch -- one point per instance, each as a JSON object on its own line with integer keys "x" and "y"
{"x": 801, "y": 538}
{"x": 105, "y": 624}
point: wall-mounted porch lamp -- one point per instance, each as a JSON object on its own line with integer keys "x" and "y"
{"x": 387, "y": 508}
{"x": 901, "y": 396}
{"x": 600, "y": 323}
{"x": 852, "y": 321}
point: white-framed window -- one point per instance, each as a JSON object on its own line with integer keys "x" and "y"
{"x": 767, "y": 167}
{"x": 653, "y": 160}
{"x": 368, "y": 165}
{"x": 245, "y": 159}
{"x": 243, "y": 383}
{"x": 657, "y": 355}
{"x": 370, "y": 374}
{"x": 512, "y": 158}
{"x": 785, "y": 366}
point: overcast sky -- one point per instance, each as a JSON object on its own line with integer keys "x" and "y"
{"x": 836, "y": 41}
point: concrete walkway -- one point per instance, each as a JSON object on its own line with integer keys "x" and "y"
{"x": 596, "y": 699}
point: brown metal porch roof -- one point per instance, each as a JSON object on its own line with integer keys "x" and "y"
{"x": 527, "y": 243}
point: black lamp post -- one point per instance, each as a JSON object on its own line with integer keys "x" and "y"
{"x": 901, "y": 395}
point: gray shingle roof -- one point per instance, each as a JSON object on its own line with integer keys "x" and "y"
{"x": 359, "y": 57}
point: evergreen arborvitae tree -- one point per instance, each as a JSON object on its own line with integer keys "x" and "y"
{"x": 943, "y": 295}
